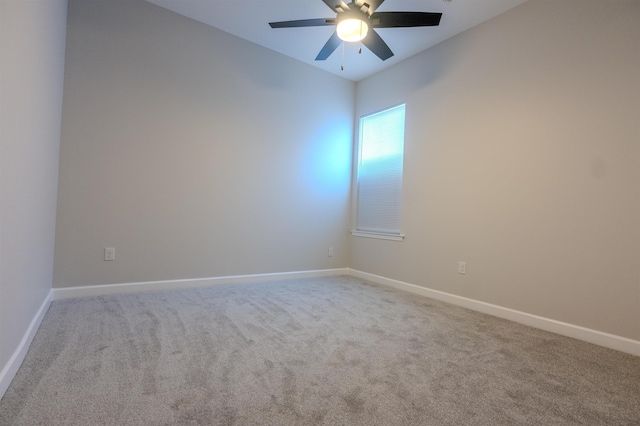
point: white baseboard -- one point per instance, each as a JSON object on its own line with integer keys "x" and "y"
{"x": 106, "y": 289}
{"x": 607, "y": 340}
{"x": 11, "y": 368}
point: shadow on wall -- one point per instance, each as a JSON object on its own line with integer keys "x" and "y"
{"x": 421, "y": 70}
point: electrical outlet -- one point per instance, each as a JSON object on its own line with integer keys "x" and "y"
{"x": 462, "y": 268}
{"x": 330, "y": 252}
{"x": 109, "y": 253}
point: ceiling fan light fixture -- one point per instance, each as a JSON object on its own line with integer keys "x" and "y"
{"x": 352, "y": 29}
{"x": 353, "y": 21}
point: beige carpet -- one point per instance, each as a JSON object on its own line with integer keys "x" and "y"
{"x": 332, "y": 351}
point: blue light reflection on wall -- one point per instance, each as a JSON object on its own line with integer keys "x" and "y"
{"x": 328, "y": 158}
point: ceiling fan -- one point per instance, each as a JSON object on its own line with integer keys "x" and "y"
{"x": 356, "y": 21}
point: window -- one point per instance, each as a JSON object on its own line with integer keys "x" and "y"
{"x": 380, "y": 174}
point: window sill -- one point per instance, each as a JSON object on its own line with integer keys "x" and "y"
{"x": 366, "y": 234}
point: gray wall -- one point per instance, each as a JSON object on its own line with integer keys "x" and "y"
{"x": 523, "y": 159}
{"x": 31, "y": 59}
{"x": 195, "y": 153}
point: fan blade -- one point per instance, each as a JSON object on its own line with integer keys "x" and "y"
{"x": 372, "y": 5}
{"x": 337, "y": 5}
{"x": 331, "y": 45}
{"x": 375, "y": 44}
{"x": 303, "y": 23}
{"x": 405, "y": 19}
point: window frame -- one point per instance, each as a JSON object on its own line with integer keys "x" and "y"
{"x": 357, "y": 232}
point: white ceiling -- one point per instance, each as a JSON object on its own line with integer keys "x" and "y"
{"x": 249, "y": 20}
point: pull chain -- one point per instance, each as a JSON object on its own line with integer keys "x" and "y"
{"x": 342, "y": 65}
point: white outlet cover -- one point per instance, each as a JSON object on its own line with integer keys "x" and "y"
{"x": 109, "y": 253}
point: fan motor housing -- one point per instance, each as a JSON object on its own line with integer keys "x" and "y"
{"x": 353, "y": 14}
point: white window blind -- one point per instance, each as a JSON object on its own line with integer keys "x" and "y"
{"x": 380, "y": 172}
